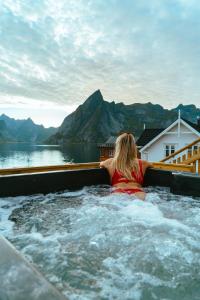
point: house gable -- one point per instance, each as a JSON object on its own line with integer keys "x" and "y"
{"x": 194, "y": 128}
{"x": 172, "y": 129}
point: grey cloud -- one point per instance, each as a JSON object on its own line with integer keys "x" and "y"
{"x": 132, "y": 50}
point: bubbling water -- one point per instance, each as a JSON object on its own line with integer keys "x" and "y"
{"x": 95, "y": 245}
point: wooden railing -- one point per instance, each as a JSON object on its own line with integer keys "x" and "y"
{"x": 195, "y": 161}
{"x": 173, "y": 167}
{"x": 188, "y": 155}
{"x": 54, "y": 168}
{"x": 181, "y": 150}
{"x": 82, "y": 166}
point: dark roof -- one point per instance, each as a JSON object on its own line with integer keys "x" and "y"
{"x": 109, "y": 143}
{"x": 111, "y": 140}
{"x": 148, "y": 135}
{"x": 195, "y": 126}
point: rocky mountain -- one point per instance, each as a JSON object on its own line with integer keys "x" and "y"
{"x": 96, "y": 119}
{"x": 189, "y": 112}
{"x": 12, "y": 130}
{"x": 4, "y": 133}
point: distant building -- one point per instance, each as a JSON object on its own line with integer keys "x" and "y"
{"x": 107, "y": 148}
{"x": 156, "y": 144}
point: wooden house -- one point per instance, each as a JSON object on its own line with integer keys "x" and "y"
{"x": 107, "y": 148}
{"x": 158, "y": 143}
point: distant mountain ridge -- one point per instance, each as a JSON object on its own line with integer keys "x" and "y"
{"x": 96, "y": 119}
{"x": 12, "y": 130}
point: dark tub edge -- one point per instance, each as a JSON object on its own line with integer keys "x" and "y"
{"x": 56, "y": 181}
{"x": 20, "y": 280}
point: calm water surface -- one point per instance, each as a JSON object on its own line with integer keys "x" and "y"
{"x": 19, "y": 155}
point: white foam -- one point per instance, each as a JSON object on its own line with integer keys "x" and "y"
{"x": 117, "y": 246}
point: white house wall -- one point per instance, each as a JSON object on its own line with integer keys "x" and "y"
{"x": 155, "y": 152}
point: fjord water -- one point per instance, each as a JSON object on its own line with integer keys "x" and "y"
{"x": 96, "y": 245}
{"x": 27, "y": 155}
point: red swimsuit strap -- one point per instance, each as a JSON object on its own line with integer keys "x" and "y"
{"x": 118, "y": 178}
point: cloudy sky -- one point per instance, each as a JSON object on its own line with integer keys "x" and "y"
{"x": 54, "y": 54}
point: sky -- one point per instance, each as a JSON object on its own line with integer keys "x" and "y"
{"x": 54, "y": 54}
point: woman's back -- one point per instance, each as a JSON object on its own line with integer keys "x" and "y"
{"x": 137, "y": 176}
{"x": 125, "y": 169}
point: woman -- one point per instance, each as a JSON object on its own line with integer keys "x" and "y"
{"x": 125, "y": 169}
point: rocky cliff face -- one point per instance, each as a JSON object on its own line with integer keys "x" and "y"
{"x": 4, "y": 132}
{"x": 189, "y": 112}
{"x": 96, "y": 119}
{"x": 92, "y": 121}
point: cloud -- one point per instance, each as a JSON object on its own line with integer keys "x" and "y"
{"x": 40, "y": 111}
{"x": 134, "y": 51}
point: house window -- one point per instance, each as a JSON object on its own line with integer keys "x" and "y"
{"x": 192, "y": 149}
{"x": 169, "y": 149}
{"x": 110, "y": 153}
{"x": 172, "y": 149}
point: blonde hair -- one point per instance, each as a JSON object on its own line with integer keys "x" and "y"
{"x": 125, "y": 157}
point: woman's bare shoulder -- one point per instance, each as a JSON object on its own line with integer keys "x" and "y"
{"x": 146, "y": 164}
{"x": 106, "y": 163}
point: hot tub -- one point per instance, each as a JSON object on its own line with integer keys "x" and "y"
{"x": 93, "y": 245}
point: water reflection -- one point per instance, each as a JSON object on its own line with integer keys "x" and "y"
{"x": 22, "y": 154}
{"x": 80, "y": 152}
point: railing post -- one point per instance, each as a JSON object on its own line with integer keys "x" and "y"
{"x": 183, "y": 157}
{"x": 194, "y": 167}
{"x": 194, "y": 151}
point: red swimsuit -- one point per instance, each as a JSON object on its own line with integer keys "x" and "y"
{"x": 118, "y": 178}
